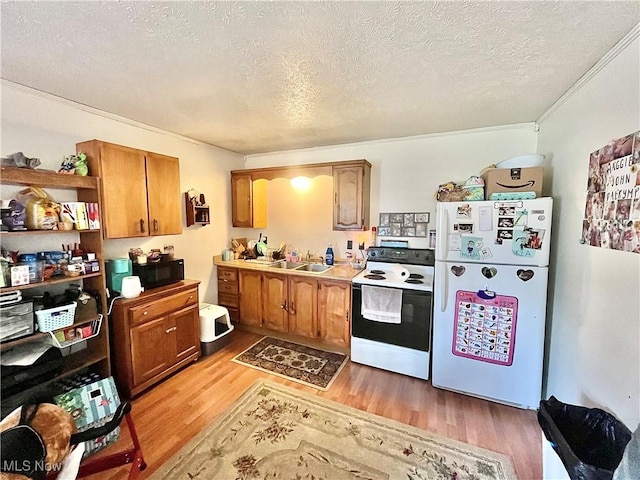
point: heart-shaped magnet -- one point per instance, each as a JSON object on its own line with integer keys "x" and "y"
{"x": 525, "y": 275}
{"x": 457, "y": 270}
{"x": 489, "y": 272}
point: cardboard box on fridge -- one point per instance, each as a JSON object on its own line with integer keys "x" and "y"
{"x": 92, "y": 406}
{"x": 507, "y": 180}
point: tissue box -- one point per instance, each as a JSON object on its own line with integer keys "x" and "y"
{"x": 92, "y": 406}
{"x": 513, "y": 180}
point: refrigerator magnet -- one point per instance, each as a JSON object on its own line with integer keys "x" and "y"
{"x": 454, "y": 241}
{"x": 470, "y": 247}
{"x": 464, "y": 211}
{"x": 463, "y": 227}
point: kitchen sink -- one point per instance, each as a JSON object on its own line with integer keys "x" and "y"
{"x": 314, "y": 268}
{"x": 287, "y": 265}
{"x": 261, "y": 261}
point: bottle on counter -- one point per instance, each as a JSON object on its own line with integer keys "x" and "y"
{"x": 329, "y": 255}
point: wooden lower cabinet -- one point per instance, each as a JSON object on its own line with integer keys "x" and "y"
{"x": 297, "y": 304}
{"x": 154, "y": 335}
{"x": 250, "y": 286}
{"x": 303, "y": 304}
{"x": 228, "y": 296}
{"x": 334, "y": 315}
{"x": 275, "y": 294}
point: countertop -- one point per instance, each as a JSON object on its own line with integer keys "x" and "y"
{"x": 338, "y": 272}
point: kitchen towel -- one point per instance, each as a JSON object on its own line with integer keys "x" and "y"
{"x": 381, "y": 304}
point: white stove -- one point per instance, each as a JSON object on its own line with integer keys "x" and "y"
{"x": 396, "y": 275}
{"x": 403, "y": 345}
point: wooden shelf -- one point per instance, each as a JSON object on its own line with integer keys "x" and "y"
{"x": 8, "y": 344}
{"x": 46, "y": 178}
{"x": 195, "y": 213}
{"x": 96, "y": 354}
{"x": 53, "y": 281}
{"x": 47, "y": 232}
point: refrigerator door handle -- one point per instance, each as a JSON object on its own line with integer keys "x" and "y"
{"x": 443, "y": 289}
{"x": 443, "y": 233}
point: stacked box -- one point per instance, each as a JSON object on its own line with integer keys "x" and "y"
{"x": 513, "y": 181}
{"x": 90, "y": 406}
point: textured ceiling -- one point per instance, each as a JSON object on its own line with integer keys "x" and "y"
{"x": 256, "y": 77}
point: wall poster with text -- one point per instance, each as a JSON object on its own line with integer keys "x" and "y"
{"x": 612, "y": 209}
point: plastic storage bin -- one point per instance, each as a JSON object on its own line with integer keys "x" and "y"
{"x": 589, "y": 441}
{"x": 215, "y": 327}
{"x": 56, "y": 318}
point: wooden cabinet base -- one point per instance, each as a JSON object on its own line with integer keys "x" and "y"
{"x": 154, "y": 335}
{"x": 138, "y": 389}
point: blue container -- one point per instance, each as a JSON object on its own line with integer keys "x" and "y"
{"x": 35, "y": 266}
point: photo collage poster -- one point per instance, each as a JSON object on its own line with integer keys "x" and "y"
{"x": 612, "y": 209}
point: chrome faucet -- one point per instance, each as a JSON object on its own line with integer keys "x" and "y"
{"x": 322, "y": 260}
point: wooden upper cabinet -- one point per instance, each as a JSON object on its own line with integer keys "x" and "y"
{"x": 248, "y": 201}
{"x": 140, "y": 190}
{"x": 351, "y": 190}
{"x": 163, "y": 194}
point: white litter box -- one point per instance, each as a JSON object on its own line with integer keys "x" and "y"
{"x": 215, "y": 327}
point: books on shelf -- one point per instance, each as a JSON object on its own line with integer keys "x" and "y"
{"x": 83, "y": 215}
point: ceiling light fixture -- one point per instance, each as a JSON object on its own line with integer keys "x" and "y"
{"x": 301, "y": 183}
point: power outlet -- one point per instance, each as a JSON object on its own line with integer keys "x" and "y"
{"x": 349, "y": 244}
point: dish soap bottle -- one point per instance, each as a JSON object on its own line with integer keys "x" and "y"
{"x": 329, "y": 255}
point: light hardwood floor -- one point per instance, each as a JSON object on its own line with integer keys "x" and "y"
{"x": 170, "y": 414}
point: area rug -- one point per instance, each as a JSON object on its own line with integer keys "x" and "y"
{"x": 277, "y": 432}
{"x": 300, "y": 363}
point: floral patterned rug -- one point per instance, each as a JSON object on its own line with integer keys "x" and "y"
{"x": 276, "y": 432}
{"x": 302, "y": 364}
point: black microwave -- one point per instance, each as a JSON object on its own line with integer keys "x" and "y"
{"x": 157, "y": 274}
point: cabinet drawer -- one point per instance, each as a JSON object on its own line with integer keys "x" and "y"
{"x": 229, "y": 288}
{"x": 147, "y": 311}
{"x": 228, "y": 300}
{"x": 227, "y": 274}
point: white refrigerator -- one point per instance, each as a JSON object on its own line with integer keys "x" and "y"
{"x": 490, "y": 292}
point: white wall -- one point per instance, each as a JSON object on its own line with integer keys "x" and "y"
{"x": 48, "y": 128}
{"x": 593, "y": 324}
{"x": 405, "y": 175}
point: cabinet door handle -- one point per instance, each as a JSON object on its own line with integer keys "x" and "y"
{"x": 347, "y": 316}
{"x": 292, "y": 309}
{"x": 142, "y": 225}
{"x": 284, "y": 305}
{"x": 145, "y": 313}
{"x": 190, "y": 297}
{"x": 225, "y": 280}
{"x": 155, "y": 225}
{"x": 172, "y": 329}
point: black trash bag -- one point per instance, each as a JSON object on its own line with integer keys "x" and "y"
{"x": 589, "y": 441}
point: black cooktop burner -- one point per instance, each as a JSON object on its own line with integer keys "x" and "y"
{"x": 374, "y": 277}
{"x": 413, "y": 280}
{"x": 378, "y": 272}
{"x": 416, "y": 276}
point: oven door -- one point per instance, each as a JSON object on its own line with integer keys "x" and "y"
{"x": 414, "y": 329}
